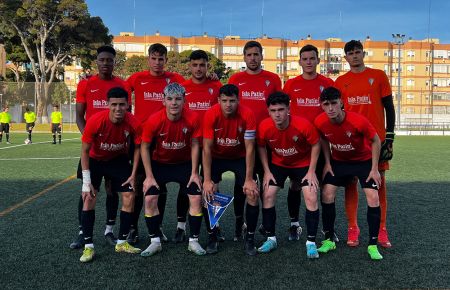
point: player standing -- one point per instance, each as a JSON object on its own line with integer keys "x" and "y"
{"x": 5, "y": 120}
{"x": 56, "y": 123}
{"x": 294, "y": 144}
{"x": 304, "y": 91}
{"x": 355, "y": 150}
{"x": 367, "y": 91}
{"x": 175, "y": 132}
{"x": 229, "y": 131}
{"x": 255, "y": 85}
{"x": 30, "y": 119}
{"x": 105, "y": 152}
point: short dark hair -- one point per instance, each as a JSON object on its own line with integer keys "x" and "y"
{"x": 278, "y": 98}
{"x": 117, "y": 92}
{"x": 199, "y": 54}
{"x": 229, "y": 90}
{"x": 55, "y": 106}
{"x": 27, "y": 109}
{"x": 106, "y": 48}
{"x": 159, "y": 48}
{"x": 352, "y": 45}
{"x": 309, "y": 47}
{"x": 251, "y": 44}
{"x": 330, "y": 94}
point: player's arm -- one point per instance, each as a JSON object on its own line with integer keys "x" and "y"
{"x": 208, "y": 184}
{"x": 80, "y": 109}
{"x": 136, "y": 156}
{"x": 149, "y": 178}
{"x": 87, "y": 187}
{"x": 386, "y": 152}
{"x": 374, "y": 173}
{"x": 195, "y": 154}
{"x": 268, "y": 176}
{"x": 250, "y": 186}
{"x": 311, "y": 174}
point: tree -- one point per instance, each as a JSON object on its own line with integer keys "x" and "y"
{"x": 178, "y": 62}
{"x": 134, "y": 64}
{"x": 52, "y": 33}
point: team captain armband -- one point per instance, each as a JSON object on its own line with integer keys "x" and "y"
{"x": 250, "y": 134}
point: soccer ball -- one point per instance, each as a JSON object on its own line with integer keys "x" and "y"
{"x": 27, "y": 141}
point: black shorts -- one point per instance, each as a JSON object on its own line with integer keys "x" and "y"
{"x": 117, "y": 170}
{"x": 29, "y": 126}
{"x": 179, "y": 173}
{"x": 4, "y": 127}
{"x": 344, "y": 172}
{"x": 282, "y": 173}
{"x": 319, "y": 167}
{"x": 237, "y": 166}
{"x": 56, "y": 128}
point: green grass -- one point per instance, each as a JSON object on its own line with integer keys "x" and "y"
{"x": 36, "y": 236}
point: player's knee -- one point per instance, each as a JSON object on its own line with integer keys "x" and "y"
{"x": 128, "y": 201}
{"x": 310, "y": 200}
{"x": 372, "y": 198}
{"x": 253, "y": 200}
{"x": 269, "y": 197}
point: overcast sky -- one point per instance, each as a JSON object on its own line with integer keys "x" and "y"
{"x": 292, "y": 20}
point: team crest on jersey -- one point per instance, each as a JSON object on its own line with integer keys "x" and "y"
{"x": 348, "y": 133}
{"x": 126, "y": 133}
{"x": 295, "y": 138}
{"x": 371, "y": 81}
{"x": 168, "y": 80}
{"x": 267, "y": 83}
{"x": 211, "y": 91}
{"x": 321, "y": 88}
{"x": 184, "y": 130}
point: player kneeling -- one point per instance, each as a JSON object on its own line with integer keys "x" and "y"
{"x": 104, "y": 153}
{"x": 295, "y": 147}
{"x": 174, "y": 131}
{"x": 355, "y": 150}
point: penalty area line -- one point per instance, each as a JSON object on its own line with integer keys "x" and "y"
{"x": 33, "y": 197}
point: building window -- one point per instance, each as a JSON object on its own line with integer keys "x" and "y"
{"x": 410, "y": 68}
{"x": 410, "y": 83}
{"x": 369, "y": 53}
{"x": 409, "y": 110}
{"x": 410, "y": 97}
{"x": 411, "y": 53}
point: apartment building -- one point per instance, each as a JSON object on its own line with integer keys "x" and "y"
{"x": 424, "y": 64}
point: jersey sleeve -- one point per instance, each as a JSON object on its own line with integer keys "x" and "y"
{"x": 149, "y": 128}
{"x": 197, "y": 133}
{"x": 385, "y": 85}
{"x": 366, "y": 127}
{"x": 260, "y": 134}
{"x": 90, "y": 130}
{"x": 179, "y": 78}
{"x": 131, "y": 81}
{"x": 137, "y": 128}
{"x": 311, "y": 133}
{"x": 277, "y": 81}
{"x": 208, "y": 124}
{"x": 81, "y": 91}
{"x": 287, "y": 87}
{"x": 233, "y": 80}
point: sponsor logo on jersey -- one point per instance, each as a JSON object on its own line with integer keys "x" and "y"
{"x": 112, "y": 147}
{"x": 252, "y": 95}
{"x": 173, "y": 145}
{"x": 153, "y": 96}
{"x": 359, "y": 100}
{"x": 228, "y": 142}
{"x": 201, "y": 106}
{"x": 188, "y": 93}
{"x": 343, "y": 147}
{"x": 307, "y": 102}
{"x": 286, "y": 152}
{"x": 100, "y": 104}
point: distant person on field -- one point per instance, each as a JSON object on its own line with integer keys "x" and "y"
{"x": 30, "y": 119}
{"x": 56, "y": 123}
{"x": 5, "y": 120}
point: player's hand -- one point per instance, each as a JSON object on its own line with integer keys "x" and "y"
{"x": 327, "y": 169}
{"x": 59, "y": 126}
{"x": 208, "y": 190}
{"x": 149, "y": 182}
{"x": 250, "y": 188}
{"x": 213, "y": 76}
{"x": 195, "y": 178}
{"x": 87, "y": 190}
{"x": 313, "y": 183}
{"x": 268, "y": 176}
{"x": 375, "y": 176}
{"x": 131, "y": 181}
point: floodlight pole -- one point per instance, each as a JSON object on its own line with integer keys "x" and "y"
{"x": 1, "y": 100}
{"x": 399, "y": 39}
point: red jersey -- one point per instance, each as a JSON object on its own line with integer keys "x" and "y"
{"x": 350, "y": 140}
{"x": 149, "y": 91}
{"x": 290, "y": 147}
{"x": 363, "y": 92}
{"x": 110, "y": 140}
{"x": 305, "y": 95}
{"x": 173, "y": 139}
{"x": 93, "y": 92}
{"x": 228, "y": 134}
{"x": 255, "y": 89}
{"x": 201, "y": 97}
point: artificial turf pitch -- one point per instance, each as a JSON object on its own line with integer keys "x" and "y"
{"x": 36, "y": 234}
